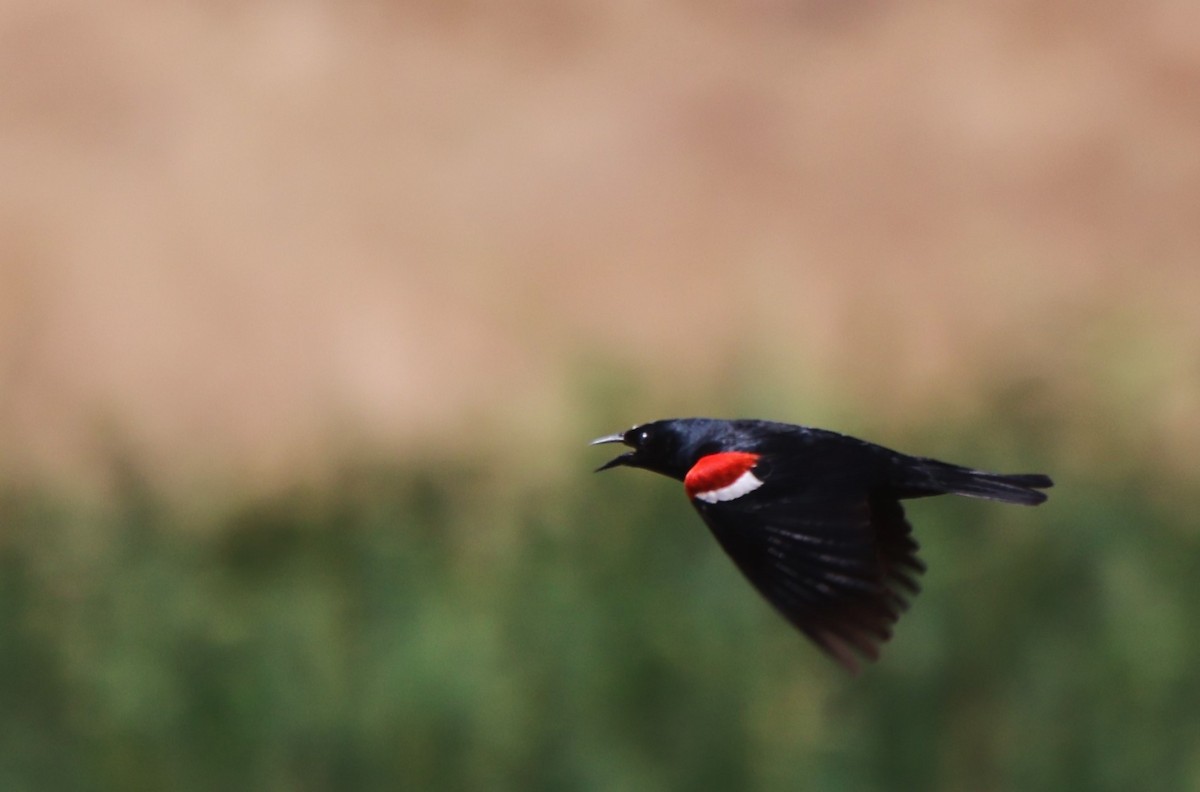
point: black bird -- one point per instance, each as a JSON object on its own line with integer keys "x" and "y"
{"x": 813, "y": 517}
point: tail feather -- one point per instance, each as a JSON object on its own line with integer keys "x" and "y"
{"x": 936, "y": 478}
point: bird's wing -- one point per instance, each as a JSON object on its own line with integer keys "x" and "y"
{"x": 838, "y": 562}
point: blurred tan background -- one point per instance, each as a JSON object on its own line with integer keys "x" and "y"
{"x": 249, "y": 236}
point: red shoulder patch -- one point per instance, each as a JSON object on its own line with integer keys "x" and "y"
{"x": 715, "y": 472}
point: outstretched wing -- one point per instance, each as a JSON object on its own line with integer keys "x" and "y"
{"x": 838, "y": 562}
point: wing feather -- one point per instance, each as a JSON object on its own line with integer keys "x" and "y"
{"x": 840, "y": 570}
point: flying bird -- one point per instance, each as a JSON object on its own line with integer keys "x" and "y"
{"x": 813, "y": 518}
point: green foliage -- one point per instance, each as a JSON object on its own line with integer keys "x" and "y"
{"x": 430, "y": 629}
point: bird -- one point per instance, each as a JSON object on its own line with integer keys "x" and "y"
{"x": 813, "y": 518}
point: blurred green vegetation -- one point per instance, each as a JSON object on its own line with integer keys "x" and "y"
{"x": 444, "y": 628}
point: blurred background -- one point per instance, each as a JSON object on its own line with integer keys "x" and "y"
{"x": 307, "y": 310}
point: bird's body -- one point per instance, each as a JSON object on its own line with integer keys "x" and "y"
{"x": 812, "y": 517}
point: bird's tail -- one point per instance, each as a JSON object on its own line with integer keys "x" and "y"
{"x": 931, "y": 477}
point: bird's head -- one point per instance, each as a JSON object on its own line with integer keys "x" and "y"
{"x": 669, "y": 447}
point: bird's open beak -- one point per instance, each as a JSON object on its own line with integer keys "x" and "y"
{"x": 620, "y": 460}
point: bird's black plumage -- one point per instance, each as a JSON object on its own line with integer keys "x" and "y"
{"x": 812, "y": 517}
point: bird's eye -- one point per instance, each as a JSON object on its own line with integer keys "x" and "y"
{"x": 637, "y": 437}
